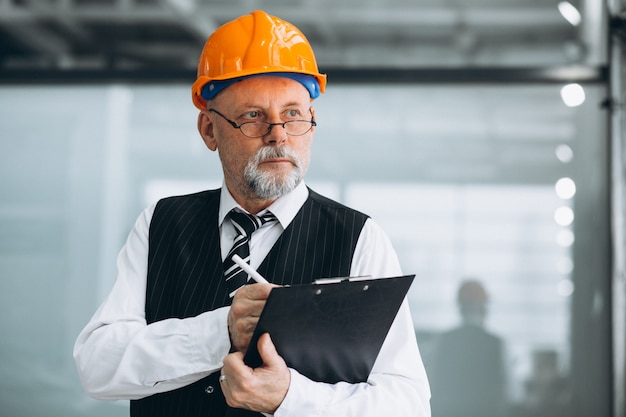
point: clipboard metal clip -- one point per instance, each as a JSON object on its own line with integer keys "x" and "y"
{"x": 341, "y": 279}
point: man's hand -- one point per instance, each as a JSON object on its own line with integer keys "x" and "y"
{"x": 260, "y": 389}
{"x": 244, "y": 313}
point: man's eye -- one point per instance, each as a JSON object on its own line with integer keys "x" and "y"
{"x": 293, "y": 113}
{"x": 251, "y": 115}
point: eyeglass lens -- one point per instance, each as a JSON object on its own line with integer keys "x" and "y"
{"x": 292, "y": 128}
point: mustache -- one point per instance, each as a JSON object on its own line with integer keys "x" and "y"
{"x": 265, "y": 185}
{"x": 272, "y": 152}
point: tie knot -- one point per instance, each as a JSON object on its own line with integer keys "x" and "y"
{"x": 246, "y": 224}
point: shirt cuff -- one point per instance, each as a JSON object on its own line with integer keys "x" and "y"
{"x": 210, "y": 341}
{"x": 303, "y": 397}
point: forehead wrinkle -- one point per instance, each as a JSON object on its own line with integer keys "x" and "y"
{"x": 257, "y": 105}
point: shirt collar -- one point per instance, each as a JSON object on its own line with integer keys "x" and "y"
{"x": 285, "y": 208}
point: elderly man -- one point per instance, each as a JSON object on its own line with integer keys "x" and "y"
{"x": 172, "y": 333}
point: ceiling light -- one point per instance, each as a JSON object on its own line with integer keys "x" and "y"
{"x": 564, "y": 153}
{"x": 564, "y": 216}
{"x": 565, "y": 188}
{"x": 570, "y": 13}
{"x": 565, "y": 238}
{"x": 565, "y": 288}
{"x": 573, "y": 95}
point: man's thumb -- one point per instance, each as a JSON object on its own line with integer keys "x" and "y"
{"x": 267, "y": 350}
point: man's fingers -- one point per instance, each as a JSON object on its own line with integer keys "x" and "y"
{"x": 245, "y": 311}
{"x": 254, "y": 291}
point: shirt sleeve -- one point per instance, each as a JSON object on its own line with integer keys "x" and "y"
{"x": 119, "y": 356}
{"x": 397, "y": 385}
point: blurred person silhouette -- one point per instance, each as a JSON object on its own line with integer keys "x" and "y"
{"x": 466, "y": 369}
{"x": 548, "y": 393}
{"x": 172, "y": 333}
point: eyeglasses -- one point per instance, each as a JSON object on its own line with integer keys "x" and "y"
{"x": 260, "y": 129}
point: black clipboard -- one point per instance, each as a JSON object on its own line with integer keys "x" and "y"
{"x": 330, "y": 332}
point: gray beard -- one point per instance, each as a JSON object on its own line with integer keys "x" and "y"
{"x": 266, "y": 186}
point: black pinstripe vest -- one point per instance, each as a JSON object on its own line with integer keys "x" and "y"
{"x": 185, "y": 275}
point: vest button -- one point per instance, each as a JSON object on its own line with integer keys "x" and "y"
{"x": 209, "y": 389}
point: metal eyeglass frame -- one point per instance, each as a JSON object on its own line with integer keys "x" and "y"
{"x": 269, "y": 125}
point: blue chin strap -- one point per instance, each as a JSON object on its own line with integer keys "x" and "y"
{"x": 211, "y": 89}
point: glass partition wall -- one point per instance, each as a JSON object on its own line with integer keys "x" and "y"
{"x": 502, "y": 184}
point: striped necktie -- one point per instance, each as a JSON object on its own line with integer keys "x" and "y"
{"x": 245, "y": 224}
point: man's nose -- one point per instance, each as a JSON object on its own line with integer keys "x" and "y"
{"x": 276, "y": 134}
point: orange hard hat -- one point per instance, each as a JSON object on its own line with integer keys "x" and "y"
{"x": 254, "y": 44}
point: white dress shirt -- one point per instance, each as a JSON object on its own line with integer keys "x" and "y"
{"x": 119, "y": 356}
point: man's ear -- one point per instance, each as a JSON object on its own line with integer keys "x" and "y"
{"x": 205, "y": 127}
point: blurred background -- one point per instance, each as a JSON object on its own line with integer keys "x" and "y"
{"x": 490, "y": 132}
